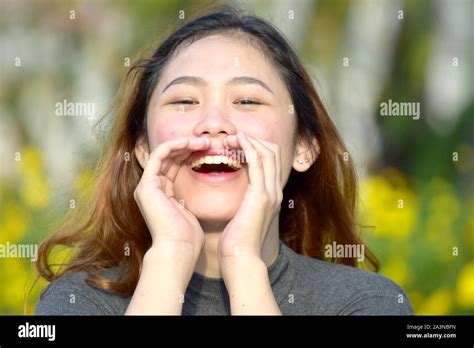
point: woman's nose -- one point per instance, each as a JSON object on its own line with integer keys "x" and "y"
{"x": 215, "y": 119}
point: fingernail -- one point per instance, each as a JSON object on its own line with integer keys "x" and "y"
{"x": 241, "y": 134}
{"x": 231, "y": 138}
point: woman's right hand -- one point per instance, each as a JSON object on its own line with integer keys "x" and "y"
{"x": 171, "y": 225}
{"x": 177, "y": 236}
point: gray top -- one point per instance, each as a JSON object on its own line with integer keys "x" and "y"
{"x": 302, "y": 286}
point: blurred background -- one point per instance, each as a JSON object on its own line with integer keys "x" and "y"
{"x": 416, "y": 175}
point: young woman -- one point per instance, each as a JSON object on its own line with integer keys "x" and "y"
{"x": 234, "y": 187}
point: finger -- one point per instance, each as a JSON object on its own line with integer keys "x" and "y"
{"x": 269, "y": 166}
{"x": 231, "y": 141}
{"x": 172, "y": 164}
{"x": 171, "y": 167}
{"x": 277, "y": 150}
{"x": 164, "y": 150}
{"x": 254, "y": 163}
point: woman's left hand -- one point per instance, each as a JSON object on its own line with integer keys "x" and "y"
{"x": 243, "y": 237}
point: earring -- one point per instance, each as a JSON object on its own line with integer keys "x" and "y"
{"x": 300, "y": 161}
{"x": 306, "y": 160}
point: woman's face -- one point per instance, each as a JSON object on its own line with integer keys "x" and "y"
{"x": 219, "y": 77}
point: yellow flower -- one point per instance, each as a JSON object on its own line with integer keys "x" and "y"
{"x": 16, "y": 278}
{"x": 438, "y": 303}
{"x": 443, "y": 211}
{"x": 83, "y": 184}
{"x": 60, "y": 255}
{"x": 30, "y": 161}
{"x": 396, "y": 270}
{"x": 35, "y": 192}
{"x": 15, "y": 222}
{"x": 34, "y": 189}
{"x": 416, "y": 299}
{"x": 465, "y": 286}
{"x": 389, "y": 204}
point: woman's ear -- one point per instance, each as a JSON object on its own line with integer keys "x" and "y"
{"x": 306, "y": 153}
{"x": 142, "y": 151}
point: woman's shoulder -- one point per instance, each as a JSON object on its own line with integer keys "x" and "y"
{"x": 344, "y": 290}
{"x": 70, "y": 294}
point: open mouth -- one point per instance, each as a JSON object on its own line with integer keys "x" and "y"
{"x": 215, "y": 165}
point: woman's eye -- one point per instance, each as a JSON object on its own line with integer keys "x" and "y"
{"x": 247, "y": 101}
{"x": 185, "y": 101}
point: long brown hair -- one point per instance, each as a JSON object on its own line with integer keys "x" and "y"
{"x": 319, "y": 205}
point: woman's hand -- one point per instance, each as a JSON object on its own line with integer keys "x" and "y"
{"x": 177, "y": 237}
{"x": 170, "y": 224}
{"x": 240, "y": 244}
{"x": 245, "y": 233}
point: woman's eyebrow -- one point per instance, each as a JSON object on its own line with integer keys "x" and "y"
{"x": 242, "y": 80}
{"x": 190, "y": 80}
{"x": 198, "y": 81}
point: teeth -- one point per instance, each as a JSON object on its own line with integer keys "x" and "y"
{"x": 216, "y": 160}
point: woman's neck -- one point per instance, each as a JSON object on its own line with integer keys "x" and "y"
{"x": 208, "y": 264}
